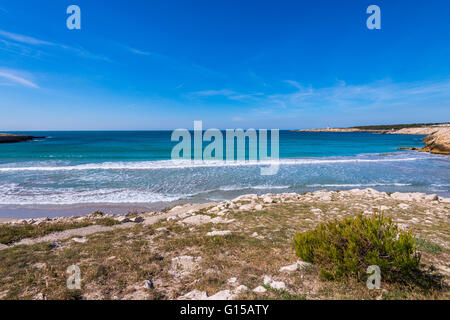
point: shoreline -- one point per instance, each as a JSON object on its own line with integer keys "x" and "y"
{"x": 64, "y": 210}
{"x": 119, "y": 211}
{"x": 30, "y": 210}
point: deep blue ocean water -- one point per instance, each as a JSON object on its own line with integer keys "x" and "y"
{"x": 75, "y": 172}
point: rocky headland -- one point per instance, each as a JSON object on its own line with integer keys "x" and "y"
{"x": 437, "y": 138}
{"x": 14, "y": 138}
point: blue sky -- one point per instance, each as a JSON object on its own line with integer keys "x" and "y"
{"x": 262, "y": 64}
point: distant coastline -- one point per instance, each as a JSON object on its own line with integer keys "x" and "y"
{"x": 14, "y": 138}
{"x": 437, "y": 138}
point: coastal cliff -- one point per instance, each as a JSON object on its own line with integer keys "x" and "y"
{"x": 13, "y": 138}
{"x": 437, "y": 138}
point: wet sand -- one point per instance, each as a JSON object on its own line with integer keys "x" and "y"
{"x": 79, "y": 210}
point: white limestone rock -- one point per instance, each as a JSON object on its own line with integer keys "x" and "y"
{"x": 260, "y": 289}
{"x": 184, "y": 265}
{"x": 241, "y": 289}
{"x": 194, "y": 295}
{"x": 278, "y": 285}
{"x": 432, "y": 197}
{"x": 80, "y": 240}
{"x": 296, "y": 266}
{"x": 267, "y": 199}
{"x": 222, "y": 295}
{"x": 218, "y": 233}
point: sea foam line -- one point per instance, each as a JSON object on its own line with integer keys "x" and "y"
{"x": 177, "y": 164}
{"x": 258, "y": 187}
{"x": 105, "y": 196}
{"x": 358, "y": 185}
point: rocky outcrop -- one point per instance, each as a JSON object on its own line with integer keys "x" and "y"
{"x": 12, "y": 138}
{"x": 418, "y": 131}
{"x": 437, "y": 139}
{"x": 438, "y": 142}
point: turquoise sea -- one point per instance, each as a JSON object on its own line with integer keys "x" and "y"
{"x": 77, "y": 172}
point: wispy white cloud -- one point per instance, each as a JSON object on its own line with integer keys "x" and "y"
{"x": 342, "y": 97}
{"x": 20, "y": 49}
{"x": 140, "y": 52}
{"x": 24, "y": 39}
{"x": 377, "y": 94}
{"x": 210, "y": 93}
{"x": 17, "y": 77}
{"x": 83, "y": 53}
{"x": 25, "y": 46}
{"x": 137, "y": 51}
{"x": 171, "y": 62}
{"x": 229, "y": 94}
{"x": 294, "y": 83}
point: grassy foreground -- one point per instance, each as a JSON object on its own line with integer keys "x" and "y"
{"x": 226, "y": 250}
{"x": 13, "y": 233}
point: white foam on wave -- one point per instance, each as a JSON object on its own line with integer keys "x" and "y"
{"x": 11, "y": 195}
{"x": 183, "y": 164}
{"x": 261, "y": 187}
{"x": 270, "y": 187}
{"x": 354, "y": 185}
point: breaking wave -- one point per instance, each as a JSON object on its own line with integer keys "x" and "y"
{"x": 183, "y": 164}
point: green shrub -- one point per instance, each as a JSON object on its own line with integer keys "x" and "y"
{"x": 97, "y": 214}
{"x": 346, "y": 248}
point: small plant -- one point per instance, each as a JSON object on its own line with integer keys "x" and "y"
{"x": 284, "y": 294}
{"x": 428, "y": 246}
{"x": 346, "y": 248}
{"x": 97, "y": 214}
{"x": 107, "y": 222}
